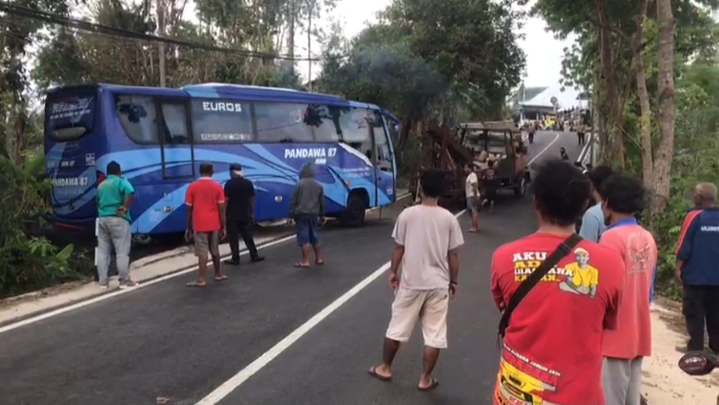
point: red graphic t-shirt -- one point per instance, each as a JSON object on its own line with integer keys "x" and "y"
{"x": 204, "y": 197}
{"x": 553, "y": 345}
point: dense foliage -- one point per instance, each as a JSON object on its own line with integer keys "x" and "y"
{"x": 652, "y": 70}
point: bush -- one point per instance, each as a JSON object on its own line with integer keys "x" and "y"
{"x": 28, "y": 262}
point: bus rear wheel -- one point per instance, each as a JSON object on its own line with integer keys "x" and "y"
{"x": 354, "y": 216}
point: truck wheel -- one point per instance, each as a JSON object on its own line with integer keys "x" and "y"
{"x": 354, "y": 216}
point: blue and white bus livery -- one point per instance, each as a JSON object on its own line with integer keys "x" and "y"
{"x": 160, "y": 136}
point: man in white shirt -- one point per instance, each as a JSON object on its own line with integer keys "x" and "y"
{"x": 427, "y": 240}
{"x": 471, "y": 189}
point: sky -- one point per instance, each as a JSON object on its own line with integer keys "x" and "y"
{"x": 544, "y": 53}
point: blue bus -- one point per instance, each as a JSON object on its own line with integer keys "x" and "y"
{"x": 161, "y": 135}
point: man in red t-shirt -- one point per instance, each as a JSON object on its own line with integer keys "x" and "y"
{"x": 205, "y": 200}
{"x": 627, "y": 345}
{"x": 552, "y": 350}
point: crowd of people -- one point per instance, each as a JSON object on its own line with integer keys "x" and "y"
{"x": 214, "y": 213}
{"x": 574, "y": 297}
{"x": 575, "y": 300}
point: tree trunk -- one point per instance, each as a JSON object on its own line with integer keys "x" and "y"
{"x": 612, "y": 98}
{"x": 643, "y": 94}
{"x": 665, "y": 77}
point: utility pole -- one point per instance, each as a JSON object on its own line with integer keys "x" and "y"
{"x": 291, "y": 35}
{"x": 310, "y": 9}
{"x": 161, "y": 46}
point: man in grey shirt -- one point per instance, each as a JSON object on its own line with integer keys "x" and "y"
{"x": 307, "y": 209}
{"x": 593, "y": 220}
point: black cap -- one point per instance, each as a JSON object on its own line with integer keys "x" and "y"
{"x": 236, "y": 167}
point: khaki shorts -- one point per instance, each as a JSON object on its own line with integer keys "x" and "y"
{"x": 207, "y": 242}
{"x": 430, "y": 307}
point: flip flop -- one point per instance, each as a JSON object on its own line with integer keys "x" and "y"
{"x": 320, "y": 263}
{"x": 301, "y": 266}
{"x": 195, "y": 284}
{"x": 221, "y": 278}
{"x": 430, "y": 387}
{"x": 373, "y": 372}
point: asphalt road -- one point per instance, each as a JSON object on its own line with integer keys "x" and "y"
{"x": 170, "y": 344}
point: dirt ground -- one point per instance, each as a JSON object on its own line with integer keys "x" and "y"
{"x": 664, "y": 382}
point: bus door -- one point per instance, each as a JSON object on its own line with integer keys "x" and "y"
{"x": 385, "y": 172}
{"x": 176, "y": 142}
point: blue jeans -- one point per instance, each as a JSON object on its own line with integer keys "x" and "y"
{"x": 307, "y": 230}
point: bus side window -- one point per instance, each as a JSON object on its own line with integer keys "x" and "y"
{"x": 137, "y": 117}
{"x": 356, "y": 129}
{"x": 175, "y": 128}
{"x": 282, "y": 122}
{"x": 381, "y": 143}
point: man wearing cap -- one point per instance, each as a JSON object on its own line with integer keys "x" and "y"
{"x": 240, "y": 200}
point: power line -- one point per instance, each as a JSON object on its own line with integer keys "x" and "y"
{"x": 38, "y": 15}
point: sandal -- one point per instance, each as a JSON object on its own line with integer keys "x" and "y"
{"x": 195, "y": 284}
{"x": 221, "y": 278}
{"x": 373, "y": 372}
{"x": 430, "y": 387}
{"x": 298, "y": 264}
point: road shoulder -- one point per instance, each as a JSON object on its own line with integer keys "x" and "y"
{"x": 664, "y": 383}
{"x": 153, "y": 268}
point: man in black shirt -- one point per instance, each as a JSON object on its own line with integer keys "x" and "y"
{"x": 240, "y": 202}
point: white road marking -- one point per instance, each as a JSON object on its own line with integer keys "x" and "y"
{"x": 556, "y": 137}
{"x": 585, "y": 148}
{"x": 238, "y": 379}
{"x": 103, "y": 297}
{"x": 81, "y": 304}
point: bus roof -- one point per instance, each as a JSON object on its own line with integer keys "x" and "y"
{"x": 221, "y": 90}
{"x": 257, "y": 93}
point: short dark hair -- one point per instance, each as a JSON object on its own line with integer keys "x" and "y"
{"x": 599, "y": 175}
{"x": 432, "y": 183}
{"x": 113, "y": 168}
{"x": 206, "y": 169}
{"x": 561, "y": 192}
{"x": 624, "y": 194}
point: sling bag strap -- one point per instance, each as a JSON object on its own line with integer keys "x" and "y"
{"x": 562, "y": 251}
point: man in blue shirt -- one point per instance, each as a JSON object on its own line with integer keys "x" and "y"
{"x": 114, "y": 196}
{"x": 593, "y": 219}
{"x": 697, "y": 268}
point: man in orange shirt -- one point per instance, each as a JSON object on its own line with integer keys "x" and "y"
{"x": 205, "y": 202}
{"x": 625, "y": 347}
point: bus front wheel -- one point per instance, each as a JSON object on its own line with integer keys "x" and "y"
{"x": 356, "y": 208}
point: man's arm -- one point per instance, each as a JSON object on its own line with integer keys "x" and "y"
{"x": 475, "y": 185}
{"x": 129, "y": 192}
{"x": 686, "y": 240}
{"x": 455, "y": 241}
{"x": 590, "y": 227}
{"x": 189, "y": 200}
{"x": 252, "y": 200}
{"x": 222, "y": 205}
{"x": 226, "y": 190}
{"x": 322, "y": 201}
{"x": 293, "y": 201}
{"x": 495, "y": 287}
{"x": 398, "y": 234}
